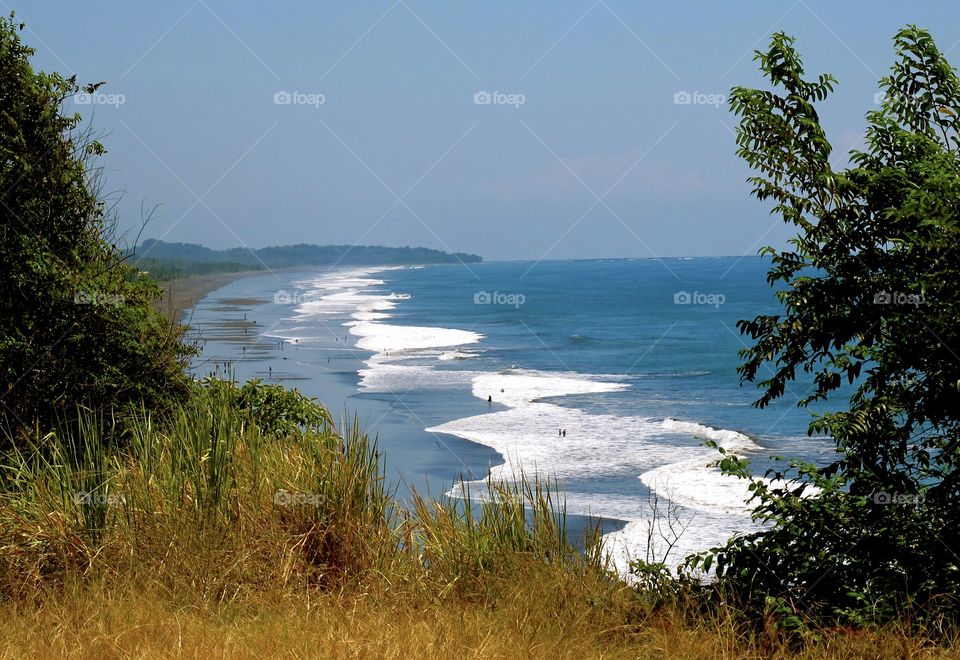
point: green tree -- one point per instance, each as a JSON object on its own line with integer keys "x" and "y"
{"x": 870, "y": 302}
{"x": 76, "y": 323}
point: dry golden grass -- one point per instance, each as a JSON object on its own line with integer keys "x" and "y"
{"x": 187, "y": 552}
{"x": 107, "y": 621}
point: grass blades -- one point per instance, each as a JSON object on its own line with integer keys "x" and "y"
{"x": 208, "y": 530}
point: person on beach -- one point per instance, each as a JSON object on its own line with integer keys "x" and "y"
{"x": 489, "y": 398}
{"x": 564, "y": 433}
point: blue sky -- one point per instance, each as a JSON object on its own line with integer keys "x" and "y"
{"x": 583, "y": 153}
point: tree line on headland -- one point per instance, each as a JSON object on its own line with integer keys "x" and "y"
{"x": 167, "y": 260}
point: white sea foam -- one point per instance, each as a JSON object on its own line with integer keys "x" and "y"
{"x": 386, "y": 338}
{"x": 517, "y": 388}
{"x": 332, "y": 294}
{"x": 341, "y": 302}
{"x": 399, "y": 350}
{"x": 652, "y": 538}
{"x": 729, "y": 440}
{"x": 390, "y": 373}
{"x": 664, "y": 453}
{"x": 697, "y": 485}
{"x": 457, "y": 355}
{"x": 355, "y": 292}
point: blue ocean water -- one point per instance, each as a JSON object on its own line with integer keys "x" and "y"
{"x": 604, "y": 375}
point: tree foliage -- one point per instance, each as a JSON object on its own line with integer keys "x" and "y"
{"x": 275, "y": 411}
{"x": 76, "y": 323}
{"x": 870, "y": 303}
{"x": 302, "y": 254}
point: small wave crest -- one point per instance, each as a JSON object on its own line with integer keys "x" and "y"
{"x": 693, "y": 373}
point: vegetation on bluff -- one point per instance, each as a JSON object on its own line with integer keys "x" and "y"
{"x": 78, "y": 327}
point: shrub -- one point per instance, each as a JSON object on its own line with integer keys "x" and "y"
{"x": 76, "y": 323}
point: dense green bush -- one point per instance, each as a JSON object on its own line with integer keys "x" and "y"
{"x": 273, "y": 409}
{"x": 76, "y": 323}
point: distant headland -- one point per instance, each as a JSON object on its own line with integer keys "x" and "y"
{"x": 170, "y": 260}
{"x": 187, "y": 271}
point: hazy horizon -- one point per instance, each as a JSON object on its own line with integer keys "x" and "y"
{"x": 590, "y": 130}
{"x": 493, "y": 260}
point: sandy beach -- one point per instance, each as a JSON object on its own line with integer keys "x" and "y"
{"x": 182, "y": 294}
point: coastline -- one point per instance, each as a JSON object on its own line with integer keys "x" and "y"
{"x": 241, "y": 333}
{"x": 251, "y": 340}
{"x": 182, "y": 294}
{"x": 303, "y": 341}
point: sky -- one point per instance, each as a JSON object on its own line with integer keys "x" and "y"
{"x": 514, "y": 130}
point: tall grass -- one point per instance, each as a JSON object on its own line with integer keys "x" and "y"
{"x": 467, "y": 538}
{"x": 208, "y": 482}
{"x": 217, "y": 518}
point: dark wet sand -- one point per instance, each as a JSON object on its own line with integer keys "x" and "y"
{"x": 181, "y": 295}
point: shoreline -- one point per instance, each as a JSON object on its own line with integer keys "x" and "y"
{"x": 414, "y": 457}
{"x": 182, "y": 294}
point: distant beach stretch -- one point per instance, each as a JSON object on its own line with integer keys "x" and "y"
{"x": 180, "y": 295}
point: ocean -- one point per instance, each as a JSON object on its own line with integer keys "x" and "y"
{"x": 605, "y": 375}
